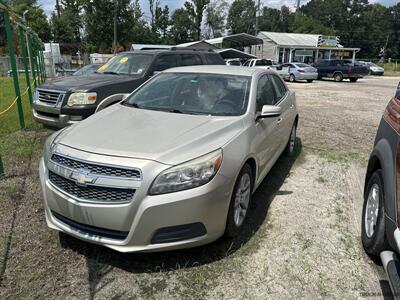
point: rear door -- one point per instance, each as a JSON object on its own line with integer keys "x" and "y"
{"x": 163, "y": 62}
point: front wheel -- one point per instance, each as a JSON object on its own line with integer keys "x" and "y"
{"x": 240, "y": 202}
{"x": 309, "y": 80}
{"x": 289, "y": 150}
{"x": 373, "y": 217}
{"x": 292, "y": 78}
{"x": 353, "y": 79}
{"x": 338, "y": 77}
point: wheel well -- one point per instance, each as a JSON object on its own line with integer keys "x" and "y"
{"x": 373, "y": 165}
{"x": 337, "y": 72}
{"x": 252, "y": 163}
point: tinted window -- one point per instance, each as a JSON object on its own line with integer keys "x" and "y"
{"x": 302, "y": 65}
{"x": 263, "y": 62}
{"x": 214, "y": 59}
{"x": 265, "y": 93}
{"x": 193, "y": 93}
{"x": 165, "y": 62}
{"x": 234, "y": 63}
{"x": 279, "y": 87}
{"x": 190, "y": 60}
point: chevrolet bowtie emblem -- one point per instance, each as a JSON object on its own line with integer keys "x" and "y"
{"x": 82, "y": 177}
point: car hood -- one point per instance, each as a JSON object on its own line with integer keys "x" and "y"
{"x": 169, "y": 138}
{"x": 84, "y": 82}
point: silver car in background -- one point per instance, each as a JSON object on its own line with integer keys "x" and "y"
{"x": 172, "y": 166}
{"x": 298, "y": 71}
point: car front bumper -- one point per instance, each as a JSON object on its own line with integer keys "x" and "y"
{"x": 182, "y": 215}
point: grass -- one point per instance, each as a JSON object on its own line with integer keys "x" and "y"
{"x": 9, "y": 122}
{"x": 391, "y": 69}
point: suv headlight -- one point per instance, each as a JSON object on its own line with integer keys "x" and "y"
{"x": 82, "y": 99}
{"x": 191, "y": 174}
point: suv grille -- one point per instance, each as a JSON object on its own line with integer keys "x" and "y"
{"x": 95, "y": 169}
{"x": 91, "y": 193}
{"x": 50, "y": 97}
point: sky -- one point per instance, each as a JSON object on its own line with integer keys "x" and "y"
{"x": 48, "y": 5}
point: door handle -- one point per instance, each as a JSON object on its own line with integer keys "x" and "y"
{"x": 279, "y": 120}
{"x": 292, "y": 106}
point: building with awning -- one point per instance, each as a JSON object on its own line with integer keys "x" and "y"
{"x": 239, "y": 41}
{"x": 298, "y": 47}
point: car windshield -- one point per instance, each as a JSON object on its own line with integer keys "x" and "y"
{"x": 127, "y": 64}
{"x": 190, "y": 93}
{"x": 86, "y": 70}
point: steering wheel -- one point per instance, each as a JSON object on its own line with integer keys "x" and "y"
{"x": 226, "y": 106}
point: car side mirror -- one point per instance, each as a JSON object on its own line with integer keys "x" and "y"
{"x": 269, "y": 111}
{"x": 279, "y": 68}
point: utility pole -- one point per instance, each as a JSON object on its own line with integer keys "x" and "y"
{"x": 115, "y": 26}
{"x": 257, "y": 14}
{"x": 58, "y": 7}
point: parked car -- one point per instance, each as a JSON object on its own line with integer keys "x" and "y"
{"x": 68, "y": 100}
{"x": 257, "y": 63}
{"x": 374, "y": 69}
{"x": 88, "y": 69}
{"x": 172, "y": 166}
{"x": 298, "y": 71}
{"x": 340, "y": 69}
{"x": 380, "y": 222}
{"x": 233, "y": 62}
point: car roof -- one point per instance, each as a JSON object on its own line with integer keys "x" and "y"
{"x": 219, "y": 69}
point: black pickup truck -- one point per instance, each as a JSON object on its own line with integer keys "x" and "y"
{"x": 340, "y": 69}
{"x": 65, "y": 101}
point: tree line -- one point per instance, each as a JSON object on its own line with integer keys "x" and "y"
{"x": 87, "y": 25}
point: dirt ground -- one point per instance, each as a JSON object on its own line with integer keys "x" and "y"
{"x": 302, "y": 241}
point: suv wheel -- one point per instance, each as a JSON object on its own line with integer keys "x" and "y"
{"x": 373, "y": 217}
{"x": 353, "y": 79}
{"x": 338, "y": 77}
{"x": 289, "y": 150}
{"x": 240, "y": 202}
{"x": 292, "y": 78}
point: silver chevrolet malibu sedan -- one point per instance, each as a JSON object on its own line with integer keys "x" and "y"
{"x": 175, "y": 164}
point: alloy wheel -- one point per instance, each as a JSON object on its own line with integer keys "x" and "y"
{"x": 372, "y": 210}
{"x": 242, "y": 200}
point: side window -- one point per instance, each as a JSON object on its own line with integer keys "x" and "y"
{"x": 247, "y": 63}
{"x": 165, "y": 62}
{"x": 214, "y": 59}
{"x": 279, "y": 87}
{"x": 190, "y": 60}
{"x": 265, "y": 93}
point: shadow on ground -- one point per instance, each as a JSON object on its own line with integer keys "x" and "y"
{"x": 101, "y": 260}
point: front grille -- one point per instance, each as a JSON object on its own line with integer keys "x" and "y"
{"x": 93, "y": 230}
{"x": 90, "y": 192}
{"x": 94, "y": 168}
{"x": 50, "y": 97}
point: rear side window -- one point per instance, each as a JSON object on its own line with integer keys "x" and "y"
{"x": 214, "y": 59}
{"x": 190, "y": 60}
{"x": 265, "y": 93}
{"x": 279, "y": 87}
{"x": 165, "y": 62}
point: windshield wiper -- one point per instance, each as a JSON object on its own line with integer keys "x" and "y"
{"x": 110, "y": 72}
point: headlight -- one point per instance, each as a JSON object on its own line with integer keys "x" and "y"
{"x": 82, "y": 98}
{"x": 50, "y": 144}
{"x": 36, "y": 95}
{"x": 188, "y": 175}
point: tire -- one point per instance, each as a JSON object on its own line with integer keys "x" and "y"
{"x": 353, "y": 79}
{"x": 235, "y": 223}
{"x": 338, "y": 77}
{"x": 374, "y": 237}
{"x": 291, "y": 144}
{"x": 292, "y": 78}
{"x": 310, "y": 80}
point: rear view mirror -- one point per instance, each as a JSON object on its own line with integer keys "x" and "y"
{"x": 270, "y": 111}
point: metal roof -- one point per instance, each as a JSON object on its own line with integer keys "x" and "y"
{"x": 197, "y": 44}
{"x": 292, "y": 39}
{"x": 239, "y": 39}
{"x": 234, "y": 53}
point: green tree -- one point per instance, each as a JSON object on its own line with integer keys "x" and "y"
{"x": 161, "y": 21}
{"x": 182, "y": 28}
{"x": 241, "y": 17}
{"x": 196, "y": 8}
{"x": 35, "y": 17}
{"x": 215, "y": 18}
